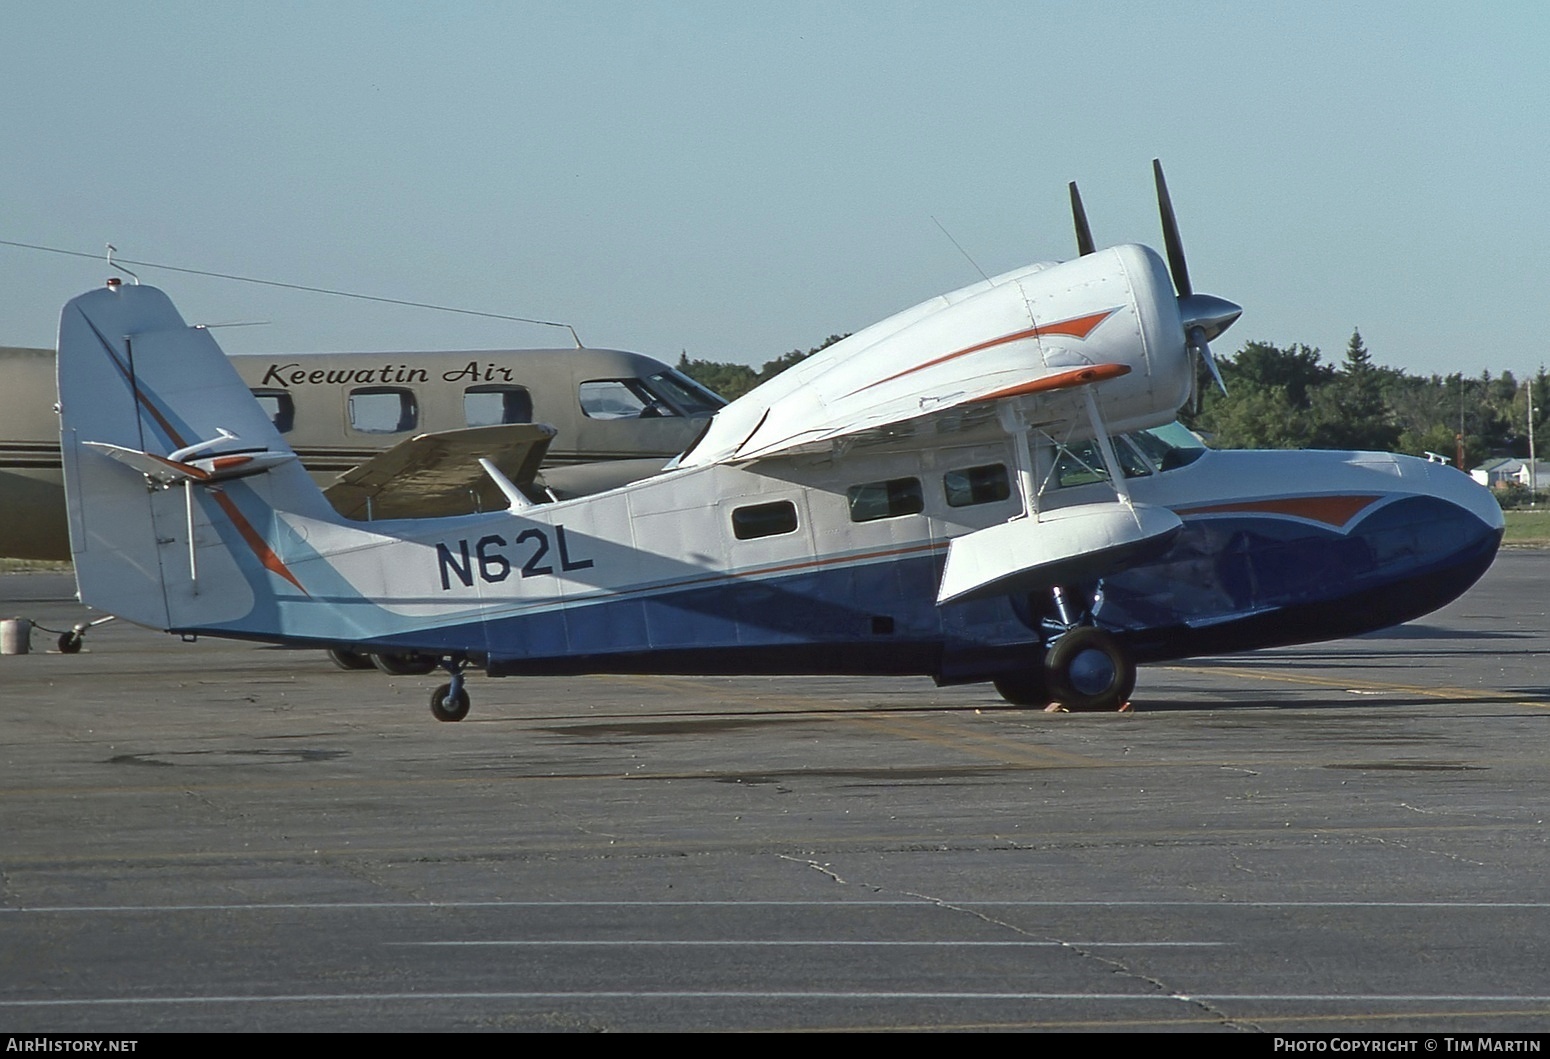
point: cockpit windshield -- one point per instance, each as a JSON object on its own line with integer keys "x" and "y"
{"x": 1141, "y": 453}
{"x": 1168, "y": 446}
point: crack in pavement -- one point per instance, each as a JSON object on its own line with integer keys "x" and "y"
{"x": 1115, "y": 966}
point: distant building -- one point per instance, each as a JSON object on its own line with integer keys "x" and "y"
{"x": 1497, "y": 473}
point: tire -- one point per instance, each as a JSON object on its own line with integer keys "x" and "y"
{"x": 403, "y": 663}
{"x": 349, "y": 658}
{"x": 448, "y": 707}
{"x": 1089, "y": 670}
{"x": 1024, "y": 689}
{"x": 70, "y": 642}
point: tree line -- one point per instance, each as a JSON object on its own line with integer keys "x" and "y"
{"x": 1289, "y": 398}
{"x": 733, "y": 380}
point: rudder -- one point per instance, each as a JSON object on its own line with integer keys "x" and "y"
{"x": 138, "y": 388}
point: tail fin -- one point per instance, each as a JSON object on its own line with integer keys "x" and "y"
{"x": 174, "y": 476}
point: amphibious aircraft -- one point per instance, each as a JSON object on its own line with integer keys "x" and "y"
{"x": 360, "y": 415}
{"x": 989, "y": 486}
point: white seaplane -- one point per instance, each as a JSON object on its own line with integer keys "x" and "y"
{"x": 990, "y": 486}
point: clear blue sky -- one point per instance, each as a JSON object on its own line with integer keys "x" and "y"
{"x": 737, "y": 180}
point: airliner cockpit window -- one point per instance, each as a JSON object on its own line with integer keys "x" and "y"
{"x": 383, "y": 410}
{"x": 691, "y": 398}
{"x": 493, "y": 406}
{"x": 623, "y": 399}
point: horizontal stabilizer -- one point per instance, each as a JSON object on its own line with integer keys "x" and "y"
{"x": 433, "y": 475}
{"x": 207, "y": 470}
{"x": 1067, "y": 545}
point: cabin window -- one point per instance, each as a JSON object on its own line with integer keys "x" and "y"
{"x": 279, "y": 407}
{"x": 890, "y": 499}
{"x": 976, "y": 485}
{"x": 383, "y": 410}
{"x": 493, "y": 406}
{"x": 764, "y": 520}
{"x": 622, "y": 399}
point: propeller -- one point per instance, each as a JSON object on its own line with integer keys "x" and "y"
{"x": 1084, "y": 234}
{"x": 1205, "y": 316}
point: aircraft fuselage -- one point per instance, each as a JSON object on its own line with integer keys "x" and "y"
{"x": 833, "y": 566}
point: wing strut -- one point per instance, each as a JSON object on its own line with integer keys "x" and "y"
{"x": 1106, "y": 448}
{"x": 1015, "y": 423}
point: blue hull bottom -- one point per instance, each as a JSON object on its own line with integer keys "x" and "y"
{"x": 1228, "y": 582}
{"x": 1226, "y": 585}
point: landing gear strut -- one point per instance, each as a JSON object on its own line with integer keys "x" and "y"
{"x": 1084, "y": 667}
{"x": 70, "y": 642}
{"x": 450, "y": 701}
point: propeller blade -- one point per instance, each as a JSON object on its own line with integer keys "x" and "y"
{"x": 1084, "y": 234}
{"x": 1176, "y": 263}
{"x": 1196, "y": 398}
{"x": 1197, "y": 343}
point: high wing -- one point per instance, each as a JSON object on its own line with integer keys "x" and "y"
{"x": 1031, "y": 336}
{"x": 439, "y": 474}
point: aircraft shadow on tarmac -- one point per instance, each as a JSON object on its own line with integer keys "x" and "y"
{"x": 1418, "y": 631}
{"x": 1345, "y": 702}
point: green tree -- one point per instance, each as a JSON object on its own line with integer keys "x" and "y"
{"x": 1259, "y": 418}
{"x": 729, "y": 380}
{"x": 1349, "y": 411}
{"x": 1296, "y": 369}
{"x": 733, "y": 380}
{"x": 1269, "y": 398}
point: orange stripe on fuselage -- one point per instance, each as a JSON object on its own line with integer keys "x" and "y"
{"x": 1331, "y": 510}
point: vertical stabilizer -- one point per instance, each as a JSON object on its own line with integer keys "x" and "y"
{"x": 138, "y": 390}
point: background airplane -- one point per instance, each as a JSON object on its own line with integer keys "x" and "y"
{"x": 986, "y": 487}
{"x": 340, "y": 411}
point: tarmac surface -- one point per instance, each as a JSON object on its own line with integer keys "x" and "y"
{"x": 215, "y": 836}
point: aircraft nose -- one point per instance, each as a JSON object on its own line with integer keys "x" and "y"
{"x": 1453, "y": 485}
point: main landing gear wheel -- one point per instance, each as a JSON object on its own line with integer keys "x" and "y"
{"x": 404, "y": 663}
{"x": 448, "y": 704}
{"x": 1089, "y": 670}
{"x": 1024, "y": 689}
{"x": 349, "y": 658}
